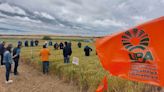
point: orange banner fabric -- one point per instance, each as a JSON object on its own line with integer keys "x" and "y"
{"x": 103, "y": 87}
{"x": 135, "y": 54}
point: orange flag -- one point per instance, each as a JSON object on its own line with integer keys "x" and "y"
{"x": 135, "y": 54}
{"x": 103, "y": 86}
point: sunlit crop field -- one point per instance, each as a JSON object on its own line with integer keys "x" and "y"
{"x": 87, "y": 75}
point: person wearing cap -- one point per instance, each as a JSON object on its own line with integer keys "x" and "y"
{"x": 16, "y": 56}
{"x": 44, "y": 54}
{"x": 2, "y": 50}
{"x": 46, "y": 44}
{"x": 7, "y": 60}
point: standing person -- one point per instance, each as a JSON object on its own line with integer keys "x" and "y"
{"x": 16, "y": 56}
{"x": 26, "y": 43}
{"x": 87, "y": 50}
{"x": 50, "y": 43}
{"x": 2, "y": 50}
{"x": 56, "y": 46}
{"x": 36, "y": 42}
{"x": 32, "y": 43}
{"x": 61, "y": 45}
{"x": 79, "y": 44}
{"x": 8, "y": 61}
{"x": 46, "y": 44}
{"x": 44, "y": 53}
{"x": 20, "y": 43}
{"x": 67, "y": 51}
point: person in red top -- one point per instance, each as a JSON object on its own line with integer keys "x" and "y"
{"x": 44, "y": 54}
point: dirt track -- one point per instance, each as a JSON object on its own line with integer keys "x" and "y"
{"x": 31, "y": 80}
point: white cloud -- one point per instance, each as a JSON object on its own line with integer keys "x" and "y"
{"x": 109, "y": 23}
{"x": 12, "y": 9}
{"x": 46, "y": 15}
{"x": 27, "y": 19}
{"x": 162, "y": 1}
{"x": 139, "y": 19}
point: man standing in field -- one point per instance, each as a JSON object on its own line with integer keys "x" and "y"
{"x": 44, "y": 53}
{"x": 16, "y": 56}
{"x": 2, "y": 50}
{"x": 61, "y": 45}
{"x": 26, "y": 43}
{"x": 87, "y": 50}
{"x": 67, "y": 51}
{"x": 56, "y": 46}
{"x": 79, "y": 44}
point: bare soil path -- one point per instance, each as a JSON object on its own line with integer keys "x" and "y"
{"x": 31, "y": 80}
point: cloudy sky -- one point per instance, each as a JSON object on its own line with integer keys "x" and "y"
{"x": 75, "y": 17}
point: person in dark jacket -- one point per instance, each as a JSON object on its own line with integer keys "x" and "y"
{"x": 20, "y": 43}
{"x": 16, "y": 56}
{"x": 56, "y": 46}
{"x": 87, "y": 50}
{"x": 79, "y": 44}
{"x": 2, "y": 50}
{"x": 32, "y": 43}
{"x": 67, "y": 51}
{"x": 61, "y": 45}
{"x": 26, "y": 43}
{"x": 50, "y": 43}
{"x": 36, "y": 42}
{"x": 7, "y": 60}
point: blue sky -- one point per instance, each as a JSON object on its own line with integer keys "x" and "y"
{"x": 75, "y": 17}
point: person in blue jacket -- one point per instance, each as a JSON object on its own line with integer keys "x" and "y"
{"x": 67, "y": 51}
{"x": 7, "y": 60}
{"x": 16, "y": 56}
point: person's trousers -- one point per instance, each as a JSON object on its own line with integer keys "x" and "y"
{"x": 45, "y": 67}
{"x": 16, "y": 61}
{"x": 66, "y": 59}
{"x": 8, "y": 69}
{"x": 2, "y": 59}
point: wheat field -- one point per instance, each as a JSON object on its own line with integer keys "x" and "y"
{"x": 87, "y": 75}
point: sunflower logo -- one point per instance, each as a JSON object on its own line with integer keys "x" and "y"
{"x": 135, "y": 39}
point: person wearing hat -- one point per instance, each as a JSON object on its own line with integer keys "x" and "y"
{"x": 7, "y": 60}
{"x": 16, "y": 56}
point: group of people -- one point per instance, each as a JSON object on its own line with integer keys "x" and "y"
{"x": 8, "y": 57}
{"x": 67, "y": 52}
{"x": 32, "y": 43}
{"x": 45, "y": 53}
{"x": 11, "y": 56}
